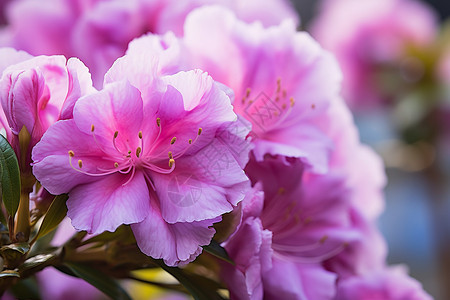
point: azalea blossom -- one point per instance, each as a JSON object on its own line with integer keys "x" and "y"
{"x": 305, "y": 219}
{"x": 282, "y": 79}
{"x": 98, "y": 32}
{"x": 368, "y": 37}
{"x": 152, "y": 157}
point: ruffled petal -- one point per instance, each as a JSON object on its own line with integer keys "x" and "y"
{"x": 175, "y": 243}
{"x": 107, "y": 203}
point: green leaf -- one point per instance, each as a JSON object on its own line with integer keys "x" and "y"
{"x": 200, "y": 288}
{"x": 218, "y": 251}
{"x": 100, "y": 280}
{"x": 26, "y": 289}
{"x": 55, "y": 214}
{"x": 36, "y": 263}
{"x": 10, "y": 177}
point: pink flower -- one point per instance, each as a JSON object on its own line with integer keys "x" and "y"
{"x": 369, "y": 36}
{"x": 321, "y": 224}
{"x": 388, "y": 284}
{"x": 155, "y": 156}
{"x": 276, "y": 251}
{"x": 36, "y": 92}
{"x": 98, "y": 31}
{"x": 283, "y": 81}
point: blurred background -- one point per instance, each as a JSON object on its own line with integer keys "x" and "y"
{"x": 408, "y": 120}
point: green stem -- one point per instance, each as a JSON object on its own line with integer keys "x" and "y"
{"x": 22, "y": 227}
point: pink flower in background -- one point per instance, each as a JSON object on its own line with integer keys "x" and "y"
{"x": 389, "y": 284}
{"x": 35, "y": 92}
{"x": 152, "y": 157}
{"x": 98, "y": 31}
{"x": 283, "y": 81}
{"x": 368, "y": 36}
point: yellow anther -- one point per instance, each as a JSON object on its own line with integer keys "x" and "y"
{"x": 281, "y": 191}
{"x": 284, "y": 106}
{"x": 243, "y": 100}
{"x": 277, "y": 99}
{"x": 313, "y": 106}
{"x": 140, "y": 135}
{"x": 247, "y": 92}
{"x": 129, "y": 152}
{"x": 116, "y": 165}
{"x": 250, "y": 102}
{"x": 323, "y": 239}
{"x": 71, "y": 153}
{"x": 278, "y": 85}
{"x": 92, "y": 127}
{"x": 116, "y": 134}
{"x": 292, "y": 101}
{"x": 174, "y": 139}
{"x": 80, "y": 163}
{"x": 190, "y": 141}
{"x": 170, "y": 155}
{"x": 171, "y": 162}
{"x": 200, "y": 130}
{"x": 158, "y": 122}
{"x": 138, "y": 151}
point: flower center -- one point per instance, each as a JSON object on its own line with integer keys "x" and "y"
{"x": 267, "y": 112}
{"x": 152, "y": 159}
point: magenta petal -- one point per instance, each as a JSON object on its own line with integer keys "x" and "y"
{"x": 250, "y": 249}
{"x": 161, "y": 53}
{"x": 309, "y": 144}
{"x": 51, "y": 159}
{"x": 105, "y": 204}
{"x": 118, "y": 107}
{"x": 20, "y": 102}
{"x": 80, "y": 84}
{"x": 9, "y": 56}
{"x": 204, "y": 186}
{"x": 175, "y": 243}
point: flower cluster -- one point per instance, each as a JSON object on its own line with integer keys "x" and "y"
{"x": 224, "y": 132}
{"x": 98, "y": 32}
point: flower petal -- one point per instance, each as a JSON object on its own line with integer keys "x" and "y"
{"x": 205, "y": 185}
{"x": 105, "y": 204}
{"x": 175, "y": 243}
{"x": 51, "y": 159}
{"x": 118, "y": 107}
